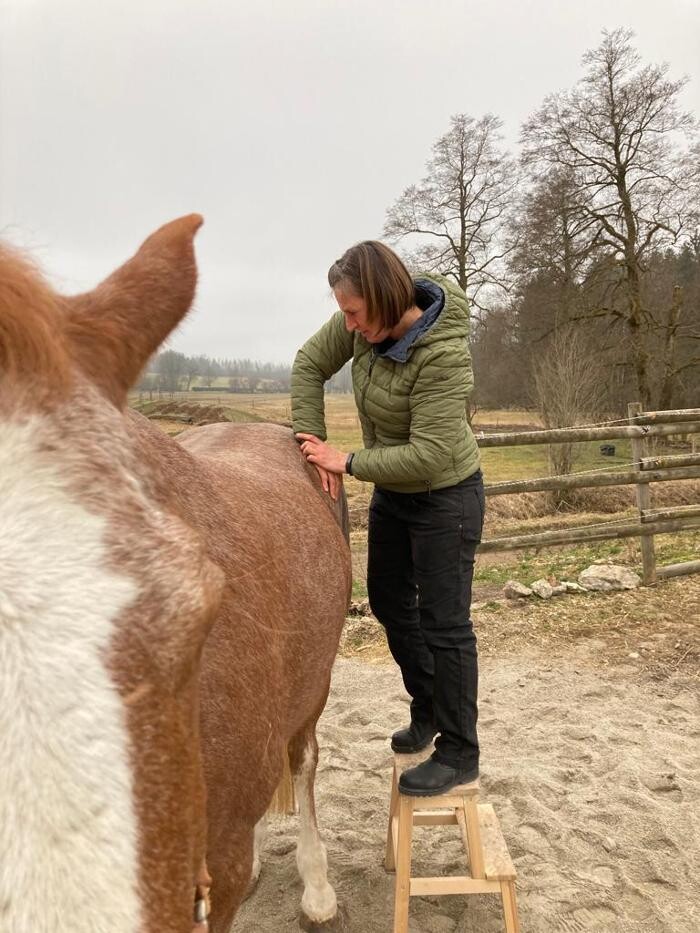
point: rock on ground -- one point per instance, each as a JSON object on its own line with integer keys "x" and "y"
{"x": 514, "y": 590}
{"x": 542, "y": 588}
{"x": 608, "y": 577}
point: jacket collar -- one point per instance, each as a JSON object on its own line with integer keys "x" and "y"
{"x": 431, "y": 298}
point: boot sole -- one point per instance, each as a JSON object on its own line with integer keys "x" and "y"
{"x": 411, "y": 749}
{"x": 436, "y": 792}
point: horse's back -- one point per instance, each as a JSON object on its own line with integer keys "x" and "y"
{"x": 267, "y": 456}
{"x": 253, "y": 443}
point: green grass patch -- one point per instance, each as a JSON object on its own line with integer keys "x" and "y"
{"x": 566, "y": 562}
{"x": 502, "y": 464}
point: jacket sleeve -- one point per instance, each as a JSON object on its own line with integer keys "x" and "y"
{"x": 321, "y": 356}
{"x": 438, "y": 415}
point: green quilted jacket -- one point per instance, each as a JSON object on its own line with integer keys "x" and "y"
{"x": 412, "y": 412}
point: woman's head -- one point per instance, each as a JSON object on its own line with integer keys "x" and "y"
{"x": 373, "y": 289}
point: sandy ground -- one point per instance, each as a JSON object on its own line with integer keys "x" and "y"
{"x": 593, "y": 770}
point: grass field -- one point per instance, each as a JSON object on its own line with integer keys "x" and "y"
{"x": 499, "y": 464}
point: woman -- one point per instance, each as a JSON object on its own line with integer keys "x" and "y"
{"x": 411, "y": 375}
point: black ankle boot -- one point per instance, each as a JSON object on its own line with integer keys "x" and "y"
{"x": 413, "y": 738}
{"x": 432, "y": 777}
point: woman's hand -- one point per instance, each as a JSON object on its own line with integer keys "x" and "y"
{"x": 321, "y": 454}
{"x": 329, "y": 462}
{"x": 331, "y": 482}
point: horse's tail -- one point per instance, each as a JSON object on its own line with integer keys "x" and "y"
{"x": 343, "y": 514}
{"x": 284, "y": 800}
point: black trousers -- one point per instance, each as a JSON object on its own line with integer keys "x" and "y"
{"x": 419, "y": 579}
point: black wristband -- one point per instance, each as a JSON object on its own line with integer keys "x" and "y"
{"x": 348, "y": 464}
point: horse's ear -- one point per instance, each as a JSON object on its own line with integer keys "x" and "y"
{"x": 114, "y": 329}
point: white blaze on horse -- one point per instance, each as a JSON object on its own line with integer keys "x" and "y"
{"x": 169, "y": 615}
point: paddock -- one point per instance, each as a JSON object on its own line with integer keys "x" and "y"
{"x": 591, "y": 758}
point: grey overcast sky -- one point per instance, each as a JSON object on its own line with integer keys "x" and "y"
{"x": 291, "y": 125}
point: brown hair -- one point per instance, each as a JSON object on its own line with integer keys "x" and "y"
{"x": 376, "y": 274}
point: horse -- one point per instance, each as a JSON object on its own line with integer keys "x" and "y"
{"x": 170, "y": 609}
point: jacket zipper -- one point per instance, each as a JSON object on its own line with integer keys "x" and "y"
{"x": 364, "y": 395}
{"x": 369, "y": 376}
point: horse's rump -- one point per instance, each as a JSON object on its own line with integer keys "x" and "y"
{"x": 268, "y": 449}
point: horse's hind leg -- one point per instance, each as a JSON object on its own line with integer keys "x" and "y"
{"x": 319, "y": 907}
{"x": 258, "y": 843}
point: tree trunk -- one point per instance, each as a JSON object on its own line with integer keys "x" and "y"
{"x": 640, "y": 355}
{"x": 670, "y": 376}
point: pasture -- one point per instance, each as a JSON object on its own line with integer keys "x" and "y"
{"x": 589, "y": 725}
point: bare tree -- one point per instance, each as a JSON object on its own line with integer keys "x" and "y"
{"x": 672, "y": 291}
{"x": 192, "y": 368}
{"x": 499, "y": 362}
{"x": 568, "y": 388}
{"x": 554, "y": 245}
{"x": 172, "y": 367}
{"x": 207, "y": 370}
{"x": 458, "y": 214}
{"x": 616, "y": 135}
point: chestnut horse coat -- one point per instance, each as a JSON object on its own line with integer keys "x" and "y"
{"x": 266, "y": 663}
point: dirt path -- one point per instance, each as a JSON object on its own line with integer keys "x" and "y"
{"x": 593, "y": 770}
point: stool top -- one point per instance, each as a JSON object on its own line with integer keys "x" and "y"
{"x": 410, "y": 761}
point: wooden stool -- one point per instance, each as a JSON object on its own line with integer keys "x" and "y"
{"x": 491, "y": 870}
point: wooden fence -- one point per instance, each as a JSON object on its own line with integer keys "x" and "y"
{"x": 641, "y": 427}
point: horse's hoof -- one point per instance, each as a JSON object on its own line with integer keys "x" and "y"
{"x": 337, "y": 924}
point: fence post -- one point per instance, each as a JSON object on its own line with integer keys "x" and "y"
{"x": 640, "y": 447}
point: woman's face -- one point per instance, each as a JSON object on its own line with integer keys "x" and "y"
{"x": 354, "y": 310}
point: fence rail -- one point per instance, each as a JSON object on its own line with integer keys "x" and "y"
{"x": 640, "y": 427}
{"x": 572, "y": 435}
{"x": 590, "y": 480}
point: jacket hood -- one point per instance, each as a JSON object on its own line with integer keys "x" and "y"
{"x": 446, "y": 316}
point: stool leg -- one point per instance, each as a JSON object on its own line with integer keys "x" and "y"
{"x": 476, "y": 853}
{"x": 389, "y": 860}
{"x": 510, "y": 908}
{"x": 403, "y": 864}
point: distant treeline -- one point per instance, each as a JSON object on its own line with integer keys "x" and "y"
{"x": 171, "y": 371}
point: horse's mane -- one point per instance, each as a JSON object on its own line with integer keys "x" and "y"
{"x": 31, "y": 326}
